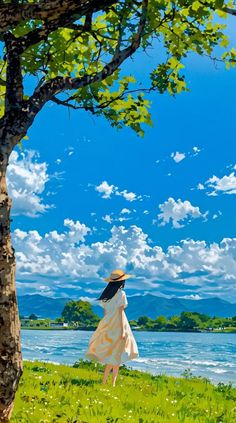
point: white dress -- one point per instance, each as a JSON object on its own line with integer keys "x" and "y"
{"x": 106, "y": 344}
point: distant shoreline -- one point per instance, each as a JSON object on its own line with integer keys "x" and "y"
{"x": 134, "y": 330}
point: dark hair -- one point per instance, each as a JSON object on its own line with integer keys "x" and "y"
{"x": 110, "y": 290}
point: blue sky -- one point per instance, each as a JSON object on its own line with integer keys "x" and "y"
{"x": 93, "y": 198}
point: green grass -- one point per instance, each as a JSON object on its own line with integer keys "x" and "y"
{"x": 51, "y": 393}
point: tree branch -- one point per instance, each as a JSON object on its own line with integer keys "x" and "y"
{"x": 103, "y": 105}
{"x": 59, "y": 84}
{"x": 12, "y": 15}
{"x": 14, "y": 79}
{"x": 229, "y": 11}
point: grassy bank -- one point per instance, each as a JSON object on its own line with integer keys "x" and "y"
{"x": 51, "y": 393}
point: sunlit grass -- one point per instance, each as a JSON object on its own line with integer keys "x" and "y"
{"x": 50, "y": 393}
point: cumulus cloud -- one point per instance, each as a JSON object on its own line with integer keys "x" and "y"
{"x": 107, "y": 190}
{"x": 26, "y": 179}
{"x": 178, "y": 157}
{"x": 57, "y": 259}
{"x": 178, "y": 212}
{"x": 225, "y": 185}
{"x": 129, "y": 196}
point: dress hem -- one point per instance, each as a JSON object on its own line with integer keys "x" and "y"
{"x": 96, "y": 359}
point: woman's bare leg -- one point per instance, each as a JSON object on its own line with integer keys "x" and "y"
{"x": 107, "y": 370}
{"x": 114, "y": 374}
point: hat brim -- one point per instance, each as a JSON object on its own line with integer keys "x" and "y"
{"x": 123, "y": 278}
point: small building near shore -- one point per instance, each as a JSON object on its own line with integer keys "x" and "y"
{"x": 58, "y": 324}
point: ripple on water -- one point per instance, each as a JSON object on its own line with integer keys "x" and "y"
{"x": 160, "y": 352}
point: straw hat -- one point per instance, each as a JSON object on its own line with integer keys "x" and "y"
{"x": 118, "y": 275}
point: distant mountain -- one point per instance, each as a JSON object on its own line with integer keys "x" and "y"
{"x": 147, "y": 305}
{"x": 40, "y": 305}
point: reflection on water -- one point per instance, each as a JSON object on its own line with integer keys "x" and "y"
{"x": 211, "y": 355}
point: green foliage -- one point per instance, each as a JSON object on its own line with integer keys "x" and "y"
{"x": 80, "y": 312}
{"x": 187, "y": 321}
{"x": 181, "y": 27}
{"x": 143, "y": 320}
{"x": 49, "y": 393}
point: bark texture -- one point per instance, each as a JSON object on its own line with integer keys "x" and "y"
{"x": 18, "y": 118}
{"x": 10, "y": 347}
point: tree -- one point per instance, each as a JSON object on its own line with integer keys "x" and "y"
{"x": 80, "y": 312}
{"x": 143, "y": 320}
{"x": 160, "y": 322}
{"x": 73, "y": 51}
{"x": 33, "y": 317}
{"x": 173, "y": 323}
{"x": 189, "y": 321}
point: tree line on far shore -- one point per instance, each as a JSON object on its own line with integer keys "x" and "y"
{"x": 79, "y": 314}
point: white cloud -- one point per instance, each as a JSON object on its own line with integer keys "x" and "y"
{"x": 225, "y": 185}
{"x": 111, "y": 218}
{"x": 200, "y": 186}
{"x": 123, "y": 219}
{"x": 195, "y": 297}
{"x": 78, "y": 230}
{"x": 54, "y": 260}
{"x": 178, "y": 157}
{"x": 129, "y": 196}
{"x": 69, "y": 151}
{"x": 177, "y": 212}
{"x": 107, "y": 218}
{"x": 125, "y": 211}
{"x": 107, "y": 190}
{"x": 196, "y": 150}
{"x": 54, "y": 254}
{"x": 215, "y": 215}
{"x": 26, "y": 179}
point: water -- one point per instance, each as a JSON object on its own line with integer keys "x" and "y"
{"x": 212, "y": 355}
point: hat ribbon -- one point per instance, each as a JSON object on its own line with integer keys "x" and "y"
{"x": 116, "y": 279}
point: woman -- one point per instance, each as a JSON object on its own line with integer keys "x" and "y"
{"x": 113, "y": 342}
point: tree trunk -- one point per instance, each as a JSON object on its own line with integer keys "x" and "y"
{"x": 11, "y": 366}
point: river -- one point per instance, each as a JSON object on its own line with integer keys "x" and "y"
{"x": 212, "y": 355}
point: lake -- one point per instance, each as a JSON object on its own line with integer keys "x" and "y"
{"x": 212, "y": 355}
